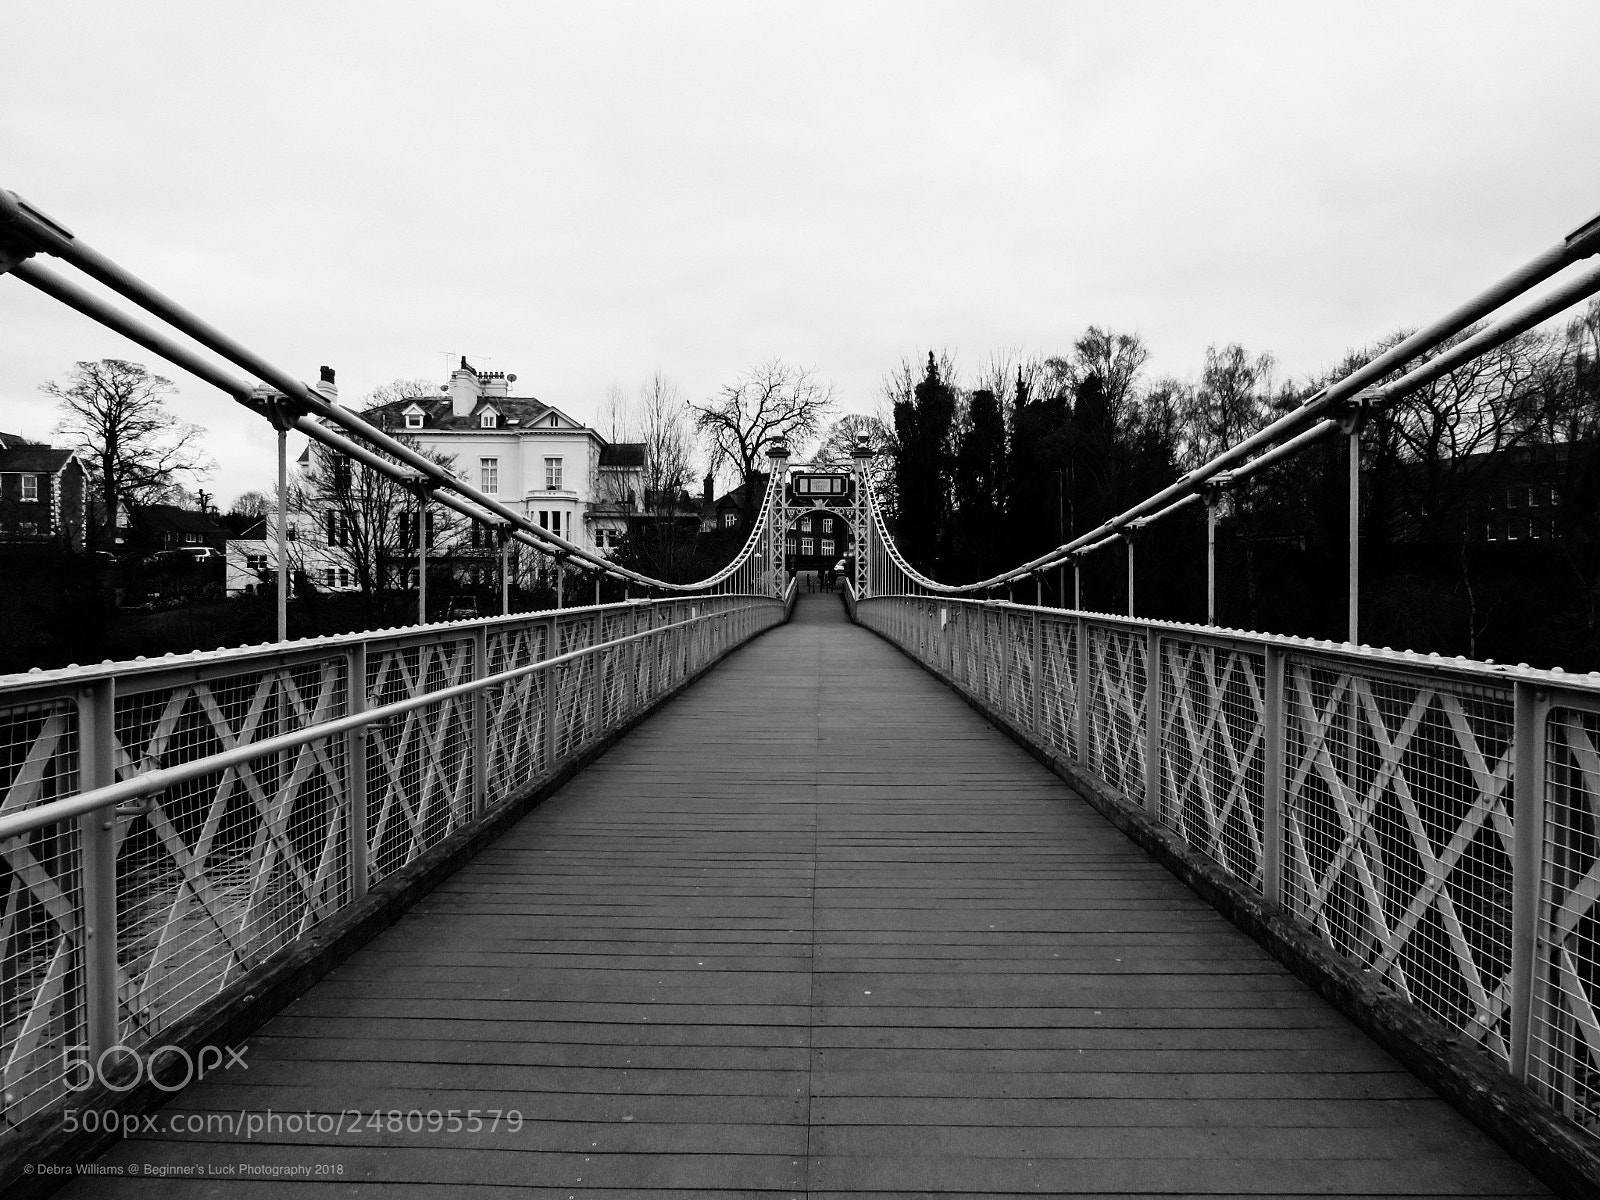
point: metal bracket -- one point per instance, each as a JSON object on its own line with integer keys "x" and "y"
{"x": 25, "y": 231}
{"x": 1352, "y": 416}
{"x": 281, "y": 411}
{"x": 1213, "y": 489}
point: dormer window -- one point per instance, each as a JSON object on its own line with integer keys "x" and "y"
{"x": 415, "y": 415}
{"x": 489, "y": 420}
{"x": 554, "y": 420}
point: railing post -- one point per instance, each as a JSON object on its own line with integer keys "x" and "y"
{"x": 480, "y": 722}
{"x": 598, "y": 675}
{"x": 422, "y": 555}
{"x": 1152, "y": 717}
{"x": 97, "y": 832}
{"x": 1127, "y": 539}
{"x": 1035, "y": 708}
{"x": 1274, "y": 720}
{"x": 1527, "y": 864}
{"x": 355, "y": 752}
{"x": 1211, "y": 558}
{"x": 283, "y": 534}
{"x": 1005, "y": 660}
{"x": 552, "y": 706}
{"x": 505, "y": 573}
{"x": 1082, "y": 715}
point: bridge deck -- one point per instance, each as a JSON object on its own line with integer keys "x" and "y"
{"x": 815, "y": 928}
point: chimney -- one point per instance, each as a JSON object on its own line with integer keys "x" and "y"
{"x": 710, "y": 482}
{"x": 497, "y": 384}
{"x": 463, "y": 390}
{"x": 325, "y": 385}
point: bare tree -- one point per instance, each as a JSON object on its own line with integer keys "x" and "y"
{"x": 770, "y": 403}
{"x": 1232, "y": 401}
{"x": 663, "y": 427}
{"x": 1117, "y": 358}
{"x": 367, "y": 520}
{"x": 402, "y": 389}
{"x": 117, "y": 412}
{"x": 252, "y": 504}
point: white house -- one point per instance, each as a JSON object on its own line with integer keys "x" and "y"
{"x": 252, "y": 562}
{"x": 527, "y": 454}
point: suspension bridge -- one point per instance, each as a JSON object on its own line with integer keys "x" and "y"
{"x": 729, "y": 889}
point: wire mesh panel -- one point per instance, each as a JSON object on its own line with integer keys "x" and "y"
{"x": 419, "y": 762}
{"x": 1212, "y": 751}
{"x": 1117, "y": 695}
{"x": 1397, "y": 833}
{"x": 1058, "y": 665}
{"x": 517, "y": 710}
{"x": 1564, "y": 1052}
{"x": 1019, "y": 645}
{"x": 993, "y": 647}
{"x": 217, "y": 873}
{"x": 574, "y": 686}
{"x": 42, "y": 1003}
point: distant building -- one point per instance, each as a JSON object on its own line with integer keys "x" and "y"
{"x": 531, "y": 456}
{"x": 157, "y": 527}
{"x": 43, "y": 493}
{"x": 817, "y": 542}
{"x": 729, "y": 510}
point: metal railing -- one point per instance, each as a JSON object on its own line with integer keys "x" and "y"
{"x": 1375, "y": 796}
{"x": 166, "y": 826}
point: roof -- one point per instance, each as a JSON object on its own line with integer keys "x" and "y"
{"x": 181, "y": 519}
{"x": 10, "y": 441}
{"x": 35, "y": 458}
{"x": 516, "y": 412}
{"x": 622, "y": 454}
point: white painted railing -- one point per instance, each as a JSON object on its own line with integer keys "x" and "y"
{"x": 1376, "y": 796}
{"x": 168, "y": 825}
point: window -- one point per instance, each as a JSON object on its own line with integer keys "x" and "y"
{"x": 344, "y": 576}
{"x": 553, "y": 421}
{"x": 337, "y": 528}
{"x": 805, "y": 524}
{"x": 729, "y": 520}
{"x": 413, "y": 420}
{"x": 805, "y": 546}
{"x": 30, "y": 489}
{"x": 489, "y": 474}
{"x": 489, "y": 420}
{"x": 327, "y": 576}
{"x": 255, "y": 562}
{"x": 552, "y": 474}
{"x": 341, "y": 474}
{"x": 827, "y": 547}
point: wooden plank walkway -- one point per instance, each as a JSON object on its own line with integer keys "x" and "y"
{"x": 815, "y": 929}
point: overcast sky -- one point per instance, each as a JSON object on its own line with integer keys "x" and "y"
{"x": 583, "y": 193}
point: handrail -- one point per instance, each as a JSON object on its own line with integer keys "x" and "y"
{"x": 155, "y": 781}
